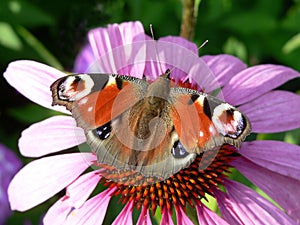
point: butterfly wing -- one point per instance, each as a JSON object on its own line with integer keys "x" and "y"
{"x": 204, "y": 122}
{"x": 107, "y": 107}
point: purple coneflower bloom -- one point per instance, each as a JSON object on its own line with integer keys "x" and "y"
{"x": 272, "y": 166}
{"x": 9, "y": 165}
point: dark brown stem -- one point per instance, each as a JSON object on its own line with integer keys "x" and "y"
{"x": 189, "y": 16}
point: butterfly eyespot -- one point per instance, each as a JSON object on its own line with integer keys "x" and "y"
{"x": 103, "y": 132}
{"x": 178, "y": 151}
{"x": 238, "y": 124}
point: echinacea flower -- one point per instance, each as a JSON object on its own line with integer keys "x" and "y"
{"x": 9, "y": 165}
{"x": 272, "y": 166}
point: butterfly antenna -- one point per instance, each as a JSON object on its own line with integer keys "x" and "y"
{"x": 203, "y": 44}
{"x": 156, "y": 49}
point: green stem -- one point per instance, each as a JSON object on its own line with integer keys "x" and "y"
{"x": 189, "y": 16}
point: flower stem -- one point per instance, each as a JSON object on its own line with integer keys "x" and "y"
{"x": 189, "y": 15}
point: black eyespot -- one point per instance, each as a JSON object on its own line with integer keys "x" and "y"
{"x": 178, "y": 151}
{"x": 103, "y": 132}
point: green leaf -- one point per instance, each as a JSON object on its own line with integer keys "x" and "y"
{"x": 291, "y": 21}
{"x": 32, "y": 41}
{"x": 211, "y": 203}
{"x": 250, "y": 23}
{"x": 31, "y": 113}
{"x": 23, "y": 13}
{"x": 292, "y": 137}
{"x": 9, "y": 38}
{"x": 235, "y": 47}
{"x": 292, "y": 44}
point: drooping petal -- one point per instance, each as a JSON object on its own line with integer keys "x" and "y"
{"x": 208, "y": 217}
{"x": 92, "y": 211}
{"x": 166, "y": 217}
{"x": 280, "y": 157}
{"x": 144, "y": 218}
{"x": 84, "y": 60}
{"x": 33, "y": 80}
{"x": 125, "y": 216}
{"x": 256, "y": 81}
{"x": 119, "y": 49}
{"x": 51, "y": 135}
{"x": 242, "y": 205}
{"x": 224, "y": 67}
{"x": 76, "y": 194}
{"x": 274, "y": 111}
{"x": 182, "y": 218}
{"x": 282, "y": 189}
{"x": 42, "y": 178}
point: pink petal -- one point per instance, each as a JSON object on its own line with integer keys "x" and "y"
{"x": 242, "y": 205}
{"x": 208, "y": 217}
{"x": 282, "y": 189}
{"x": 166, "y": 217}
{"x": 51, "y": 135}
{"x": 224, "y": 67}
{"x": 33, "y": 80}
{"x": 144, "y": 218}
{"x": 256, "y": 81}
{"x": 180, "y": 56}
{"x": 119, "y": 49}
{"x": 42, "y": 178}
{"x": 93, "y": 211}
{"x": 125, "y": 216}
{"x": 182, "y": 42}
{"x": 76, "y": 194}
{"x": 84, "y": 59}
{"x": 277, "y": 156}
{"x": 228, "y": 212}
{"x": 275, "y": 111}
{"x": 182, "y": 218}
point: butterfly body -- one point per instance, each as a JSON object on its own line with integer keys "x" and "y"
{"x": 155, "y": 129}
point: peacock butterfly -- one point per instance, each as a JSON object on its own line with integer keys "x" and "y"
{"x": 154, "y": 128}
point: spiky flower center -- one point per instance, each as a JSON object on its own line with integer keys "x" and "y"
{"x": 187, "y": 186}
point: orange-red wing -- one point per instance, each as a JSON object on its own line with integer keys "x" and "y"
{"x": 195, "y": 129}
{"x": 102, "y": 106}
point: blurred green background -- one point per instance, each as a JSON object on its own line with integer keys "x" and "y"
{"x": 53, "y": 32}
